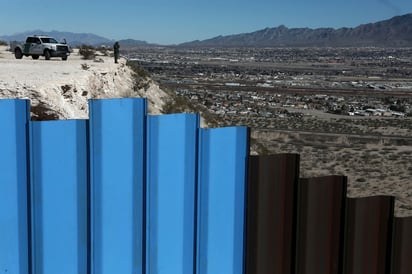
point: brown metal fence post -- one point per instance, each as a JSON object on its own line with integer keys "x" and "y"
{"x": 270, "y": 213}
{"x": 402, "y": 246}
{"x": 321, "y": 211}
{"x": 368, "y": 235}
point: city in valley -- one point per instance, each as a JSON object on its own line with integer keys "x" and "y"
{"x": 346, "y": 111}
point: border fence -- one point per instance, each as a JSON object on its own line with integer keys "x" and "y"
{"x": 131, "y": 193}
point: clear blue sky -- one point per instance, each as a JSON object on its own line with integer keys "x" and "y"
{"x": 176, "y": 21}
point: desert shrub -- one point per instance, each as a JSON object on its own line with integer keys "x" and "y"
{"x": 140, "y": 71}
{"x": 258, "y": 147}
{"x": 177, "y": 104}
{"x": 87, "y": 52}
{"x": 3, "y": 43}
{"x": 141, "y": 77}
{"x": 103, "y": 50}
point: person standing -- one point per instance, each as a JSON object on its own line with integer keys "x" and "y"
{"x": 116, "y": 48}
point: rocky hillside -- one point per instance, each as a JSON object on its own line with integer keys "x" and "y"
{"x": 60, "y": 89}
{"x": 395, "y": 32}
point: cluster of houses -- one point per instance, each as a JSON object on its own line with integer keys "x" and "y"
{"x": 259, "y": 104}
{"x": 281, "y": 82}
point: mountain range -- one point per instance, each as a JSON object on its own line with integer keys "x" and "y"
{"x": 394, "y": 32}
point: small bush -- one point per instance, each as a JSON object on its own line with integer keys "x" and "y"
{"x": 3, "y": 43}
{"x": 103, "y": 50}
{"x": 140, "y": 71}
{"x": 85, "y": 66}
{"x": 177, "y": 104}
{"x": 258, "y": 147}
{"x": 87, "y": 52}
{"x": 141, "y": 77}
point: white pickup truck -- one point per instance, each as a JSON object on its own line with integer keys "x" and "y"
{"x": 38, "y": 45}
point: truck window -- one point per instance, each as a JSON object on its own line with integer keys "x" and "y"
{"x": 49, "y": 40}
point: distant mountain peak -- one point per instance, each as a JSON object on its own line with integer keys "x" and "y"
{"x": 394, "y": 32}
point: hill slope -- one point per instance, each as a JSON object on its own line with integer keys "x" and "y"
{"x": 61, "y": 89}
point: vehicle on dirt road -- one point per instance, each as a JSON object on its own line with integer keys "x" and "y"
{"x": 39, "y": 45}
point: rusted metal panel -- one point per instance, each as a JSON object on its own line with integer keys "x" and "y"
{"x": 368, "y": 235}
{"x": 272, "y": 183}
{"x": 321, "y": 207}
{"x": 402, "y": 246}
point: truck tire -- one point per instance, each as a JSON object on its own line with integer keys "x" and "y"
{"x": 18, "y": 54}
{"x": 64, "y": 58}
{"x": 47, "y": 54}
{"x": 35, "y": 57}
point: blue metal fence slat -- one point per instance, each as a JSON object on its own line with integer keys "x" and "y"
{"x": 117, "y": 135}
{"x": 59, "y": 182}
{"x": 14, "y": 116}
{"x": 171, "y": 185}
{"x": 221, "y": 200}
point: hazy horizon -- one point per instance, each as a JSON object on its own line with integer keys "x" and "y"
{"x": 173, "y": 22}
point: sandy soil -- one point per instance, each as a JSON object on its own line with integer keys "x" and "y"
{"x": 62, "y": 88}
{"x": 374, "y": 165}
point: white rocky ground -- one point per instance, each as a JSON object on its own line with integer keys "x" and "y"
{"x": 61, "y": 89}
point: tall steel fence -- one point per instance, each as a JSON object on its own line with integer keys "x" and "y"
{"x": 127, "y": 192}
